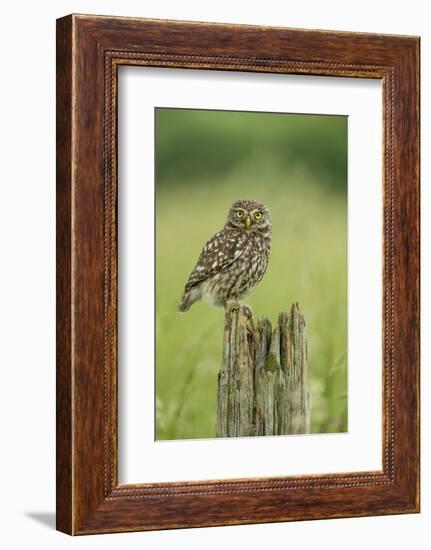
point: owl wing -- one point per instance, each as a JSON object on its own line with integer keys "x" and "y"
{"x": 217, "y": 254}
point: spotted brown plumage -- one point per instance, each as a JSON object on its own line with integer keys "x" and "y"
{"x": 234, "y": 260}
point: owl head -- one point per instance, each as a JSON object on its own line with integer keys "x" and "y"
{"x": 249, "y": 215}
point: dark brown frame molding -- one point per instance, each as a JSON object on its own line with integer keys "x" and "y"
{"x": 89, "y": 51}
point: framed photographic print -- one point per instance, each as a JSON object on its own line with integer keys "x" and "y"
{"x": 237, "y": 274}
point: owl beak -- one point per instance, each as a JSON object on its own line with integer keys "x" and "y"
{"x": 248, "y": 222}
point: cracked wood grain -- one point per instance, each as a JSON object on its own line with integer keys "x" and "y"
{"x": 262, "y": 384}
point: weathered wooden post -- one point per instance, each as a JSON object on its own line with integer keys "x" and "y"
{"x": 262, "y": 383}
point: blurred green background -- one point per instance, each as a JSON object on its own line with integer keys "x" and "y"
{"x": 297, "y": 166}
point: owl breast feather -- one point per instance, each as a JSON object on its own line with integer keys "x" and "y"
{"x": 241, "y": 276}
{"x": 229, "y": 267}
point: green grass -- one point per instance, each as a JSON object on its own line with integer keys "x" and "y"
{"x": 308, "y": 264}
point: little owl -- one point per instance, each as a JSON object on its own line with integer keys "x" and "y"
{"x": 234, "y": 260}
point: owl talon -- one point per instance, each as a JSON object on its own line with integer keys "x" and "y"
{"x": 232, "y": 305}
{"x": 248, "y": 312}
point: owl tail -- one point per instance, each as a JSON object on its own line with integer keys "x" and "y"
{"x": 188, "y": 299}
{"x": 185, "y": 305}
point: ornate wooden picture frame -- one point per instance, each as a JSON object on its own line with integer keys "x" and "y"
{"x": 89, "y": 51}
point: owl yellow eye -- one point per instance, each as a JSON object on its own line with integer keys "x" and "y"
{"x": 258, "y": 215}
{"x": 239, "y": 214}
